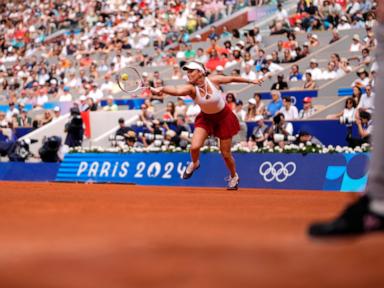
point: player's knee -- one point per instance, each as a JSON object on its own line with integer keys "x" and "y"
{"x": 195, "y": 148}
{"x": 226, "y": 154}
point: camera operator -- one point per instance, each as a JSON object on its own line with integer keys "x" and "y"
{"x": 259, "y": 133}
{"x": 74, "y": 129}
{"x": 131, "y": 140}
{"x": 123, "y": 129}
{"x": 306, "y": 138}
{"x": 156, "y": 132}
{"x": 364, "y": 126}
{"x": 182, "y": 136}
{"x": 280, "y": 132}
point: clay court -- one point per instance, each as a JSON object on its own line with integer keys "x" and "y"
{"x": 79, "y": 235}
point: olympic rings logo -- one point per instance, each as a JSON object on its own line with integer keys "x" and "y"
{"x": 277, "y": 171}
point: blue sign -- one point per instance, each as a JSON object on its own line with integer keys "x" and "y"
{"x": 342, "y": 172}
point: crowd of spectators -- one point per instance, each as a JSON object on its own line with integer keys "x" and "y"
{"x": 41, "y": 63}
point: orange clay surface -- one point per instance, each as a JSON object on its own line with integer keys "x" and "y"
{"x": 89, "y": 235}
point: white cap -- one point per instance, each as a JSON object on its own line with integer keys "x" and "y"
{"x": 356, "y": 37}
{"x": 56, "y": 109}
{"x": 313, "y": 60}
{"x": 315, "y": 36}
{"x": 82, "y": 98}
{"x": 194, "y": 66}
{"x": 241, "y": 43}
{"x": 268, "y": 57}
{"x": 252, "y": 101}
{"x": 259, "y": 117}
{"x": 219, "y": 68}
{"x": 145, "y": 74}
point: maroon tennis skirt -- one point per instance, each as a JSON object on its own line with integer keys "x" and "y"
{"x": 223, "y": 124}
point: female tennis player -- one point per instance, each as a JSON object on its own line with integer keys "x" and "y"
{"x": 215, "y": 118}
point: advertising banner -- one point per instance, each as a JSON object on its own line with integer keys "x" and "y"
{"x": 340, "y": 172}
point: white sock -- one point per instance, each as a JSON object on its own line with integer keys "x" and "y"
{"x": 377, "y": 206}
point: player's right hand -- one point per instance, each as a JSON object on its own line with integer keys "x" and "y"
{"x": 157, "y": 91}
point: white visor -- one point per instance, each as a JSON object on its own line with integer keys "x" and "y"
{"x": 194, "y": 66}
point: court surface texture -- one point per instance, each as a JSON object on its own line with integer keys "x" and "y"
{"x": 99, "y": 235}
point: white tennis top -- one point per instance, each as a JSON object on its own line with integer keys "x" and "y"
{"x": 210, "y": 103}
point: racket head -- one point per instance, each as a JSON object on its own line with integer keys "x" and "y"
{"x": 129, "y": 80}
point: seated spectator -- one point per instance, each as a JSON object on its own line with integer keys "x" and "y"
{"x": 180, "y": 108}
{"x": 251, "y": 111}
{"x": 230, "y": 99}
{"x": 330, "y": 73}
{"x": 170, "y": 114}
{"x": 343, "y": 24}
{"x": 275, "y": 105}
{"x": 182, "y": 131}
{"x": 314, "y": 70}
{"x": 279, "y": 132}
{"x": 23, "y": 120}
{"x": 295, "y": 74}
{"x": 12, "y": 110}
{"x": 92, "y": 106}
{"x": 306, "y": 138}
{"x": 280, "y": 84}
{"x": 273, "y": 67}
{"x": 66, "y": 95}
{"x": 145, "y": 115}
{"x": 259, "y": 133}
{"x": 364, "y": 126}
{"x": 288, "y": 56}
{"x": 314, "y": 41}
{"x": 47, "y": 118}
{"x": 248, "y": 73}
{"x": 123, "y": 129}
{"x": 111, "y": 106}
{"x": 192, "y": 111}
{"x": 264, "y": 73}
{"x": 309, "y": 83}
{"x": 56, "y": 112}
{"x": 363, "y": 79}
{"x": 356, "y": 94}
{"x": 289, "y": 110}
{"x": 347, "y": 115}
{"x": 260, "y": 107}
{"x": 131, "y": 140}
{"x": 356, "y": 45}
{"x": 308, "y": 109}
{"x": 247, "y": 60}
{"x": 367, "y": 100}
{"x": 335, "y": 36}
{"x": 176, "y": 72}
{"x": 239, "y": 111}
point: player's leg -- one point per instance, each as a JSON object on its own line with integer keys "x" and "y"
{"x": 198, "y": 139}
{"x": 225, "y": 149}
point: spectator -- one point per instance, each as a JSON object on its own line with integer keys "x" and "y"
{"x": 230, "y": 99}
{"x": 335, "y": 36}
{"x": 314, "y": 70}
{"x": 308, "y": 109}
{"x": 23, "y": 120}
{"x": 91, "y": 105}
{"x": 309, "y": 84}
{"x": 259, "y": 133}
{"x": 344, "y": 24}
{"x": 279, "y": 132}
{"x": 248, "y": 73}
{"x": 111, "y": 106}
{"x": 12, "y": 111}
{"x": 260, "y": 107}
{"x": 347, "y": 115}
{"x": 356, "y": 94}
{"x": 170, "y": 114}
{"x": 123, "y": 129}
{"x": 108, "y": 85}
{"x": 251, "y": 111}
{"x": 275, "y": 105}
{"x": 307, "y": 139}
{"x": 366, "y": 102}
{"x": 83, "y": 106}
{"x": 176, "y": 72}
{"x": 363, "y": 79}
{"x": 330, "y": 73}
{"x": 66, "y": 95}
{"x": 356, "y": 45}
{"x": 181, "y": 108}
{"x": 295, "y": 74}
{"x": 273, "y": 67}
{"x": 56, "y": 112}
{"x": 239, "y": 111}
{"x": 280, "y": 84}
{"x": 364, "y": 126}
{"x": 290, "y": 111}
{"x": 47, "y": 118}
{"x": 192, "y": 112}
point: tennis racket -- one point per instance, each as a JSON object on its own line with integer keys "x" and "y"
{"x": 129, "y": 80}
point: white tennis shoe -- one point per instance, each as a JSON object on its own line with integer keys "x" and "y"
{"x": 233, "y": 182}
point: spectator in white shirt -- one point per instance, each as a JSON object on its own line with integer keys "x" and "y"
{"x": 330, "y": 73}
{"x": 308, "y": 110}
{"x": 344, "y": 24}
{"x": 353, "y": 7}
{"x": 290, "y": 111}
{"x": 363, "y": 79}
{"x": 367, "y": 101}
{"x": 315, "y": 70}
{"x": 272, "y": 67}
{"x": 356, "y": 45}
{"x": 248, "y": 73}
{"x": 66, "y": 96}
{"x": 42, "y": 97}
{"x": 107, "y": 86}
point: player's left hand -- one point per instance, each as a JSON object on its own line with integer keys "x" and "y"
{"x": 258, "y": 81}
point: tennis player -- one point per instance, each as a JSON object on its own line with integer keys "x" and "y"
{"x": 215, "y": 118}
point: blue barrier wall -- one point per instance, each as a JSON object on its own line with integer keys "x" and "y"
{"x": 17, "y": 171}
{"x": 341, "y": 172}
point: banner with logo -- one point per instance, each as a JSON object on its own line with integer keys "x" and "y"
{"x": 340, "y": 172}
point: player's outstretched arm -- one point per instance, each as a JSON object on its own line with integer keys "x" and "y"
{"x": 180, "y": 90}
{"x": 221, "y": 79}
